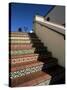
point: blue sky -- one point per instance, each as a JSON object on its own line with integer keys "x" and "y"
{"x": 22, "y": 15}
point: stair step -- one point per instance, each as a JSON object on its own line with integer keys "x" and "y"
{"x": 23, "y": 38}
{"x": 25, "y": 46}
{"x": 22, "y": 69}
{"x": 24, "y": 55}
{"x": 22, "y": 33}
{"x": 28, "y": 57}
{"x": 18, "y": 34}
{"x": 45, "y": 55}
{"x": 30, "y": 40}
{"x": 25, "y": 41}
{"x": 57, "y": 72}
{"x": 22, "y": 47}
{"x": 24, "y": 51}
{"x": 28, "y": 51}
{"x": 23, "y": 58}
{"x": 20, "y": 66}
{"x": 31, "y": 79}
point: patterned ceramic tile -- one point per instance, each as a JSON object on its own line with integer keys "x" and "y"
{"x": 24, "y": 59}
{"x": 25, "y": 71}
{"x": 17, "y": 52}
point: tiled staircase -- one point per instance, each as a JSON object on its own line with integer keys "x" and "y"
{"x": 31, "y": 63}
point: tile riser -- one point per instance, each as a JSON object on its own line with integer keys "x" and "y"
{"x": 24, "y": 56}
{"x": 25, "y": 71}
{"x": 17, "y": 47}
{"x": 30, "y": 51}
{"x": 24, "y": 59}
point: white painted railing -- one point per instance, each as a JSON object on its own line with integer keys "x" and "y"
{"x": 52, "y": 35}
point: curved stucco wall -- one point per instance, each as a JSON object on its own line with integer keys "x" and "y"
{"x": 54, "y": 41}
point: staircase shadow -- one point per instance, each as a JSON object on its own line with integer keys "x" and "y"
{"x": 40, "y": 49}
{"x": 51, "y": 71}
{"x": 57, "y": 74}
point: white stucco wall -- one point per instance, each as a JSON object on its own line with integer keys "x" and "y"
{"x": 54, "y": 41}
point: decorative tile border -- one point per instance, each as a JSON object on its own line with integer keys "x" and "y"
{"x": 18, "y": 52}
{"x": 25, "y": 71}
{"x": 24, "y": 59}
{"x": 24, "y": 55}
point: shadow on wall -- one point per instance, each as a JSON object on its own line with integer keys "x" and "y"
{"x": 50, "y": 63}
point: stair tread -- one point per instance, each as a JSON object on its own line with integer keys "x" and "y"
{"x": 31, "y": 79}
